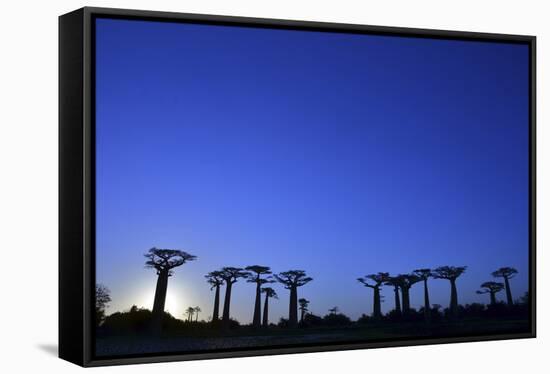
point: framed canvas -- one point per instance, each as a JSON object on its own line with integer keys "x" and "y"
{"x": 237, "y": 186}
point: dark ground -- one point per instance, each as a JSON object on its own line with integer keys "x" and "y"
{"x": 249, "y": 338}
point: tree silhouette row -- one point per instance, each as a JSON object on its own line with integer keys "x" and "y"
{"x": 165, "y": 260}
{"x": 260, "y": 275}
{"x": 403, "y": 283}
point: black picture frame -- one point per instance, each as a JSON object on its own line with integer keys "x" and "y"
{"x": 77, "y": 173}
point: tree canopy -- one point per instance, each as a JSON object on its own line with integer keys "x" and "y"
{"x": 378, "y": 279}
{"x": 449, "y": 272}
{"x": 166, "y": 259}
{"x": 231, "y": 274}
{"x": 293, "y": 278}
{"x": 505, "y": 272}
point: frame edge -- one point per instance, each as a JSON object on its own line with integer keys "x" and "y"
{"x": 75, "y": 279}
{"x": 71, "y": 256}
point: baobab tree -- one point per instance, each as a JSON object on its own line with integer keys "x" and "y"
{"x": 163, "y": 261}
{"x": 395, "y": 282}
{"x": 190, "y": 311}
{"x": 424, "y": 275}
{"x": 377, "y": 281}
{"x": 293, "y": 279}
{"x": 303, "y": 304}
{"x": 507, "y": 273}
{"x": 451, "y": 273}
{"x": 214, "y": 278}
{"x": 197, "y": 311}
{"x": 492, "y": 288}
{"x": 333, "y": 310}
{"x": 230, "y": 275}
{"x": 406, "y": 281}
{"x": 255, "y": 276}
{"x": 269, "y": 292}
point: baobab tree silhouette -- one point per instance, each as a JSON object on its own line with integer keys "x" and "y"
{"x": 189, "y": 311}
{"x": 378, "y": 280}
{"x": 255, "y": 276}
{"x": 230, "y": 275}
{"x": 451, "y": 273}
{"x": 197, "y": 311}
{"x": 269, "y": 292}
{"x": 303, "y": 304}
{"x": 333, "y": 310}
{"x": 214, "y": 278}
{"x": 163, "y": 261}
{"x": 492, "y": 288}
{"x": 292, "y": 279}
{"x": 406, "y": 281}
{"x": 395, "y": 282}
{"x": 424, "y": 275}
{"x": 507, "y": 273}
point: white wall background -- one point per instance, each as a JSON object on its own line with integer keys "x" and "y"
{"x": 28, "y": 182}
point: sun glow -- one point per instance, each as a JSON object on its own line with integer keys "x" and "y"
{"x": 173, "y": 304}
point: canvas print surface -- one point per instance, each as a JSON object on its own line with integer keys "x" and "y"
{"x": 261, "y": 188}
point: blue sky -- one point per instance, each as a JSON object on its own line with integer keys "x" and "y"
{"x": 339, "y": 154}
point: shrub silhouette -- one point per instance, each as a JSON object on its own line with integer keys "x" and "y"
{"x": 475, "y": 310}
{"x": 102, "y": 298}
{"x": 283, "y": 322}
{"x": 366, "y": 319}
{"x": 137, "y": 321}
{"x": 436, "y": 313}
{"x": 255, "y": 276}
{"x": 303, "y": 308}
{"x": 451, "y": 273}
{"x": 498, "y": 310}
{"x": 336, "y": 319}
{"x": 214, "y": 278}
{"x": 163, "y": 261}
{"x": 312, "y": 320}
{"x": 292, "y": 279}
{"x": 525, "y": 299}
{"x": 506, "y": 273}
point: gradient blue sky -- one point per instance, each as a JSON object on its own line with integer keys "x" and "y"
{"x": 339, "y": 154}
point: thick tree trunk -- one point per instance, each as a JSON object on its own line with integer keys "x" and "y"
{"x": 508, "y": 292}
{"x": 216, "y": 313}
{"x": 265, "y": 321}
{"x": 453, "y": 305}
{"x": 257, "y": 307}
{"x": 493, "y": 298}
{"x": 406, "y": 300}
{"x": 160, "y": 299}
{"x": 376, "y": 309}
{"x": 302, "y": 314}
{"x": 397, "y": 302}
{"x": 426, "y": 301}
{"x": 293, "y": 307}
{"x": 227, "y": 303}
